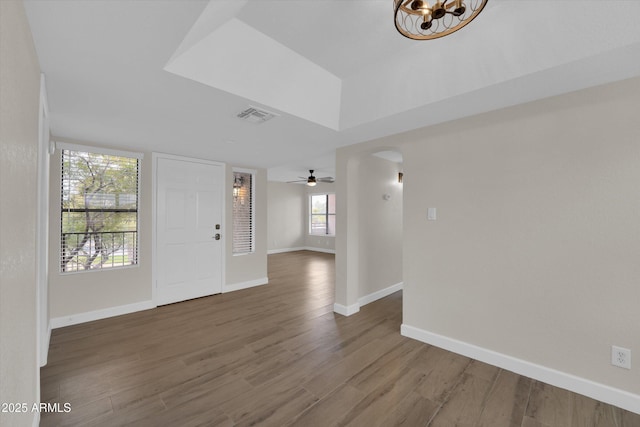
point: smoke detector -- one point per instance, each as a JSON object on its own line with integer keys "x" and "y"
{"x": 256, "y": 115}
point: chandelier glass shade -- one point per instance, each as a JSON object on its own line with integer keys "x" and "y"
{"x": 425, "y": 20}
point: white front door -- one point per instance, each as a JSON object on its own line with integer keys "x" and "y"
{"x": 189, "y": 197}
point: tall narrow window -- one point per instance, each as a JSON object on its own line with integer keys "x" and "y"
{"x": 322, "y": 220}
{"x": 99, "y": 218}
{"x": 243, "y": 212}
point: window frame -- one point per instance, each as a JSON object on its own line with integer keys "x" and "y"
{"x": 252, "y": 200}
{"x": 326, "y": 214}
{"x": 64, "y": 146}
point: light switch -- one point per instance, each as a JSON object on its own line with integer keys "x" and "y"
{"x": 431, "y": 214}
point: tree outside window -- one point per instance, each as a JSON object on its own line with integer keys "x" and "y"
{"x": 99, "y": 218}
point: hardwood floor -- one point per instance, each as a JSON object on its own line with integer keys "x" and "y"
{"x": 277, "y": 355}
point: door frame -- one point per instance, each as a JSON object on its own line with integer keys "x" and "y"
{"x": 154, "y": 216}
{"x": 45, "y": 149}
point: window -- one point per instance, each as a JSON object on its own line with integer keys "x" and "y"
{"x": 322, "y": 220}
{"x": 99, "y": 218}
{"x": 243, "y": 212}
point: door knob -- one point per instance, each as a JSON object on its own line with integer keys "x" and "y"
{"x": 217, "y": 236}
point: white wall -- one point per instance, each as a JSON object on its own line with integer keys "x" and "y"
{"x": 79, "y": 297}
{"x": 19, "y": 106}
{"x": 533, "y": 260}
{"x": 286, "y": 216}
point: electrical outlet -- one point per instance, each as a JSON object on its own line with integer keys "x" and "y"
{"x": 621, "y": 357}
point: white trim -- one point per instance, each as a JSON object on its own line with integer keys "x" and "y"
{"x": 346, "y": 310}
{"x": 374, "y": 296}
{"x": 367, "y": 299}
{"x": 309, "y": 212}
{"x": 244, "y": 170}
{"x": 98, "y": 150}
{"x": 326, "y": 251}
{"x": 598, "y": 391}
{"x": 279, "y": 251}
{"x": 36, "y": 417}
{"x": 154, "y": 189}
{"x": 301, "y": 248}
{"x": 245, "y": 285}
{"x": 45, "y": 348}
{"x": 89, "y": 316}
{"x": 43, "y": 326}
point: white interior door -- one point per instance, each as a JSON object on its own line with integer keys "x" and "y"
{"x": 188, "y": 218}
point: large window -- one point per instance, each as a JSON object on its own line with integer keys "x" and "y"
{"x": 243, "y": 212}
{"x": 99, "y": 218}
{"x": 322, "y": 220}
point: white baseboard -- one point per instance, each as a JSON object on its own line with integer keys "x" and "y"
{"x": 601, "y": 392}
{"x": 325, "y": 250}
{"x": 279, "y": 251}
{"x": 367, "y": 299}
{"x": 302, "y": 248}
{"x": 245, "y": 285}
{"x": 59, "y": 322}
{"x": 346, "y": 310}
{"x": 44, "y": 352}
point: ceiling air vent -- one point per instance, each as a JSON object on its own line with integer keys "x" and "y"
{"x": 256, "y": 115}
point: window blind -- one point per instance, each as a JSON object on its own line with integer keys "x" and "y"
{"x": 243, "y": 213}
{"x": 99, "y": 218}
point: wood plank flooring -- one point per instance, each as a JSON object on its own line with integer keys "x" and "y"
{"x": 277, "y": 355}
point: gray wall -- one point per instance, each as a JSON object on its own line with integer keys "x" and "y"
{"x": 286, "y": 216}
{"x": 534, "y": 254}
{"x": 535, "y": 250}
{"x": 380, "y": 224}
{"x": 19, "y": 106}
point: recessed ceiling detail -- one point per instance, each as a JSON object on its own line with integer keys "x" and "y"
{"x": 149, "y": 74}
{"x": 232, "y": 48}
{"x": 237, "y": 58}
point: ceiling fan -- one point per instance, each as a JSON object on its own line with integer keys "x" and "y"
{"x": 312, "y": 180}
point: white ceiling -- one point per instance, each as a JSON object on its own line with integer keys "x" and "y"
{"x": 170, "y": 75}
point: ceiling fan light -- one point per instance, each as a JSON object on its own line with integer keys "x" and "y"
{"x": 311, "y": 183}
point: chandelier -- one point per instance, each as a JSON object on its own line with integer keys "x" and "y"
{"x": 419, "y": 20}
